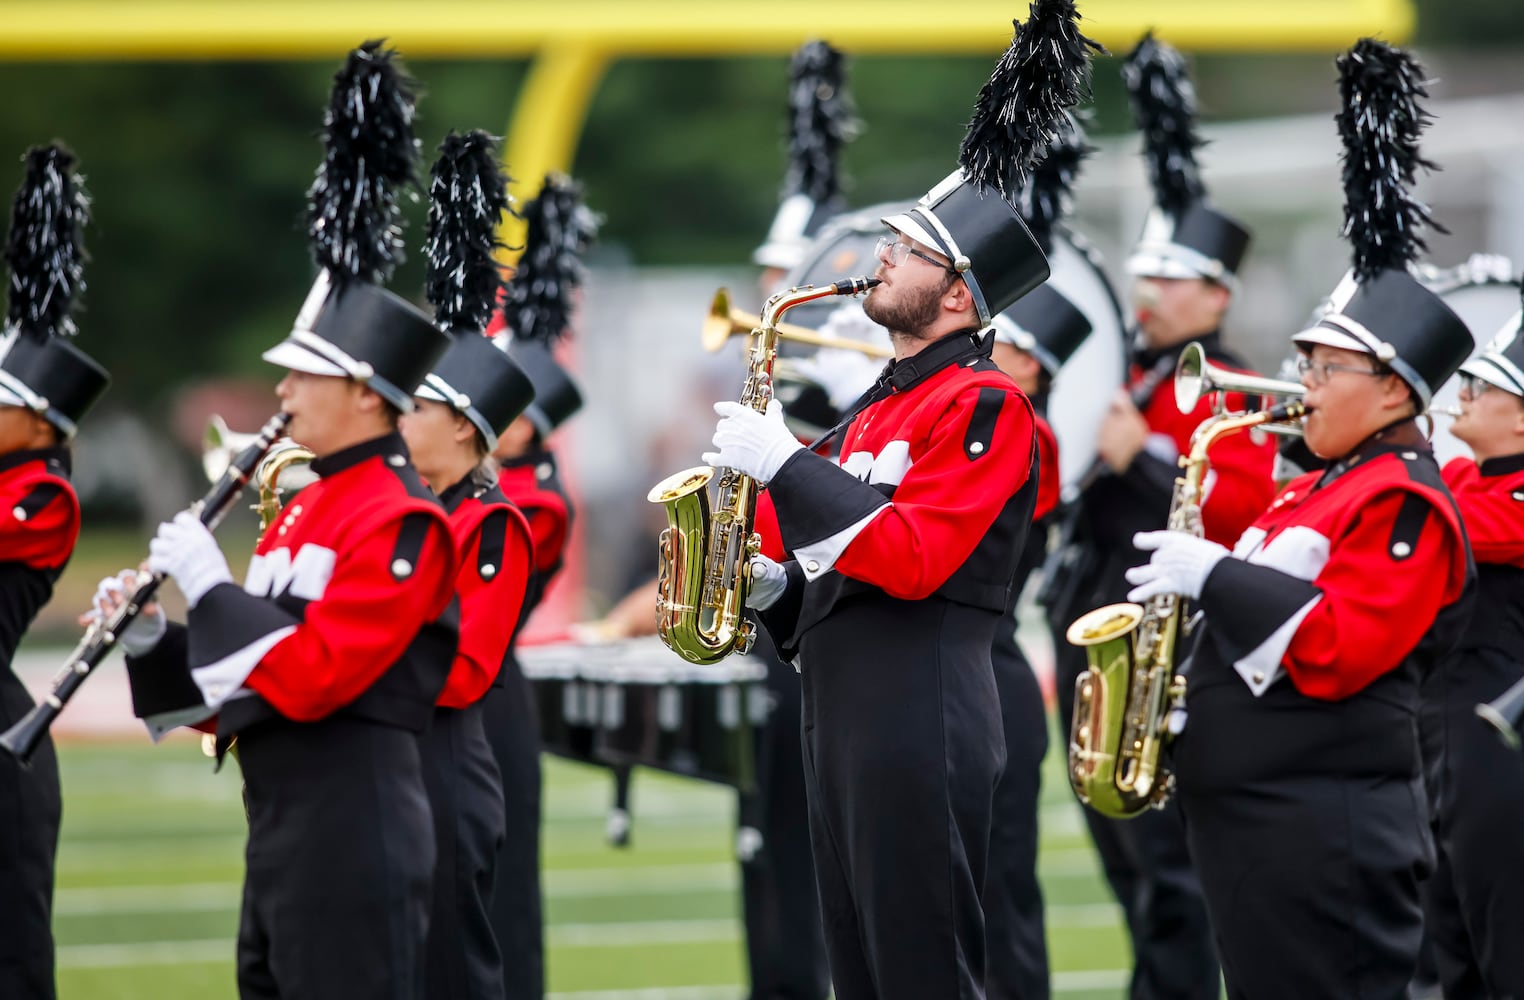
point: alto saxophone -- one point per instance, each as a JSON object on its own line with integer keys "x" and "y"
{"x": 1131, "y": 701}
{"x": 705, "y": 553}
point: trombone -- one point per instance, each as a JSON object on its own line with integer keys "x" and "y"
{"x": 1196, "y": 377}
{"x": 725, "y": 321}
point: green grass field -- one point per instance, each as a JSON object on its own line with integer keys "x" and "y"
{"x": 151, "y": 860}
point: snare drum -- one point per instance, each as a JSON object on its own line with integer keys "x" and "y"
{"x": 636, "y": 703}
{"x": 697, "y": 721}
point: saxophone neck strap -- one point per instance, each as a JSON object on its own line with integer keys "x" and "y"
{"x": 903, "y": 374}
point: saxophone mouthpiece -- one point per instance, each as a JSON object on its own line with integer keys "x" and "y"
{"x": 852, "y": 286}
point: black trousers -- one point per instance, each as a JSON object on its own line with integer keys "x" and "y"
{"x": 466, "y": 796}
{"x": 1017, "y": 956}
{"x": 1475, "y": 900}
{"x": 903, "y": 748}
{"x": 340, "y": 863}
{"x": 29, "y": 815}
{"x": 1313, "y": 884}
{"x": 1149, "y": 868}
{"x": 785, "y": 949}
{"x": 517, "y": 922}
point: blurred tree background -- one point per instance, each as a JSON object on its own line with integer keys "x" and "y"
{"x": 198, "y": 171}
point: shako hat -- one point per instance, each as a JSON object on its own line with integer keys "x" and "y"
{"x": 1046, "y": 325}
{"x": 970, "y": 216}
{"x": 349, "y": 326}
{"x": 468, "y": 195}
{"x": 1379, "y": 308}
{"x": 537, "y": 300}
{"x": 39, "y": 368}
{"x": 1502, "y": 363}
{"x": 1183, "y": 236}
{"x": 820, "y": 123}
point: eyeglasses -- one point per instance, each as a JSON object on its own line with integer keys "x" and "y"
{"x": 1471, "y": 387}
{"x": 1317, "y": 373}
{"x": 892, "y": 252}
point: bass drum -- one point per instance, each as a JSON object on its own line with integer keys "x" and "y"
{"x": 1083, "y": 386}
{"x": 1485, "y": 295}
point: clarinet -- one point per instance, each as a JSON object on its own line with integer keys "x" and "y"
{"x": 22, "y": 739}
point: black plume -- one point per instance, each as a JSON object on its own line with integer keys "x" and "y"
{"x": 1045, "y": 72}
{"x": 353, "y": 222}
{"x": 1164, "y": 108}
{"x": 1046, "y": 196}
{"x": 44, "y": 250}
{"x": 820, "y": 121}
{"x": 1380, "y": 123}
{"x": 467, "y": 198}
{"x": 537, "y": 302}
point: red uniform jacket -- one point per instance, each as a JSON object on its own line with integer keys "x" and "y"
{"x": 496, "y": 568}
{"x": 1491, "y": 502}
{"x": 39, "y": 524}
{"x": 1346, "y": 593}
{"x": 1048, "y": 486}
{"x": 530, "y": 483}
{"x": 933, "y": 493}
{"x": 347, "y": 607}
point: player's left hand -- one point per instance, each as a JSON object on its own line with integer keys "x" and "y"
{"x": 1180, "y": 564}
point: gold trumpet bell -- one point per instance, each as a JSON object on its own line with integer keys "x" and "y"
{"x": 724, "y": 321}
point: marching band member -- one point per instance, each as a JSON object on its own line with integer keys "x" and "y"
{"x": 902, "y": 556}
{"x": 1186, "y": 267}
{"x": 470, "y": 397}
{"x": 1300, "y": 769}
{"x": 536, "y": 312}
{"x": 1033, "y": 338}
{"x": 46, "y": 387}
{"x": 327, "y": 663}
{"x": 1480, "y": 808}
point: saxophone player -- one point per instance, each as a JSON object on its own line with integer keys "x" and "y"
{"x": 1474, "y": 909}
{"x": 1300, "y": 770}
{"x": 1186, "y": 268}
{"x": 901, "y": 556}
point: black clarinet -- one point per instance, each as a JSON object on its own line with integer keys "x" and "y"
{"x": 22, "y": 739}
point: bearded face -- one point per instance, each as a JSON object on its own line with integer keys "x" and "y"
{"x": 906, "y": 306}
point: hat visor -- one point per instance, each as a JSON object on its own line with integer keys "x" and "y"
{"x": 1488, "y": 371}
{"x": 1160, "y": 264}
{"x": 1310, "y": 338}
{"x": 8, "y": 398}
{"x": 291, "y": 355}
{"x": 913, "y": 228}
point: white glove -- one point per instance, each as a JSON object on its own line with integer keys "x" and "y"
{"x": 145, "y": 631}
{"x": 186, "y": 550}
{"x": 752, "y": 443}
{"x": 1180, "y": 564}
{"x": 768, "y": 582}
